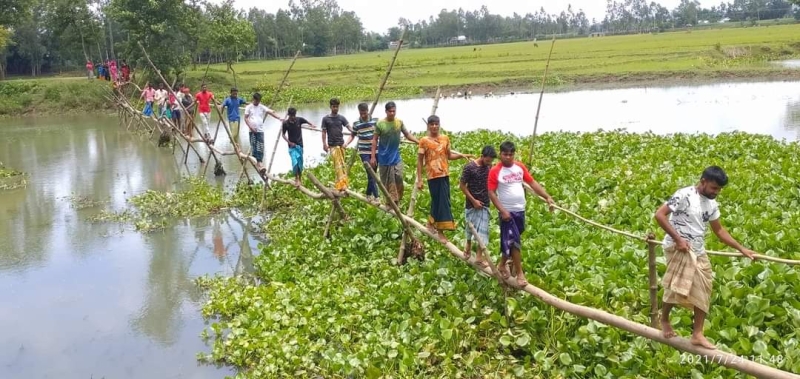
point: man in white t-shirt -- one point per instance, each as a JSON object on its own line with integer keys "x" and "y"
{"x": 688, "y": 279}
{"x": 255, "y": 114}
{"x": 508, "y": 196}
{"x": 161, "y": 98}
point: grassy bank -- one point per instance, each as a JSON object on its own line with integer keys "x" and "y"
{"x": 717, "y": 54}
{"x": 52, "y": 96}
{"x": 341, "y": 308}
{"x": 726, "y": 54}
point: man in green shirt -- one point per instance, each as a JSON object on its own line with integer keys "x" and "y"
{"x": 386, "y": 151}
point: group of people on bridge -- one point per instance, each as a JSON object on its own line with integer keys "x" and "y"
{"x": 684, "y": 216}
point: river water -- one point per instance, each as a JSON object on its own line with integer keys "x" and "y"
{"x": 83, "y": 300}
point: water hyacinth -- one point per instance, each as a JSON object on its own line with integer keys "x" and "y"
{"x": 340, "y": 307}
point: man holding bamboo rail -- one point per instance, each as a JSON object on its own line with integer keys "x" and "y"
{"x": 333, "y": 142}
{"x": 688, "y": 279}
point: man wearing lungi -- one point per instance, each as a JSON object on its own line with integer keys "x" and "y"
{"x": 292, "y": 133}
{"x": 473, "y": 184}
{"x": 333, "y": 142}
{"x": 386, "y": 151}
{"x": 434, "y": 153}
{"x": 508, "y": 196}
{"x": 688, "y": 279}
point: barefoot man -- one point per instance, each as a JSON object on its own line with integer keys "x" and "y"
{"x": 435, "y": 154}
{"x": 473, "y": 185}
{"x": 687, "y": 281}
{"x": 508, "y": 196}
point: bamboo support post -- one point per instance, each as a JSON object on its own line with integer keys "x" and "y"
{"x": 329, "y": 194}
{"x": 183, "y": 109}
{"x": 275, "y": 101}
{"x": 382, "y": 86}
{"x": 412, "y": 204}
{"x": 539, "y": 107}
{"x": 391, "y": 203}
{"x": 493, "y": 267}
{"x": 653, "y": 280}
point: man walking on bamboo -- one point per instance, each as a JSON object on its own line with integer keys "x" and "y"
{"x": 386, "y": 151}
{"x": 434, "y": 154}
{"x": 688, "y": 279}
{"x": 473, "y": 184}
{"x": 254, "y": 116}
{"x": 333, "y": 142}
{"x": 292, "y": 133}
{"x": 232, "y": 103}
{"x": 203, "y": 100}
{"x": 508, "y": 196}
{"x": 364, "y": 128}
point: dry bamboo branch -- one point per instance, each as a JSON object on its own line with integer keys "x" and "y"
{"x": 329, "y": 194}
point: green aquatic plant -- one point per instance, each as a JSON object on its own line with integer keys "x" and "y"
{"x": 11, "y": 179}
{"x": 153, "y": 210}
{"x": 339, "y": 307}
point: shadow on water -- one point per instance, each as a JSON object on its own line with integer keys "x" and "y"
{"x": 95, "y": 300}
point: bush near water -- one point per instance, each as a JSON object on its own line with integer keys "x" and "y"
{"x": 341, "y": 308}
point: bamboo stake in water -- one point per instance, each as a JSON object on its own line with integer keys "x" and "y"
{"x": 539, "y": 107}
{"x": 380, "y": 89}
{"x": 415, "y": 191}
{"x": 275, "y": 101}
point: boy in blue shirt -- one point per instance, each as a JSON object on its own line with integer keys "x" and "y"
{"x": 233, "y": 102}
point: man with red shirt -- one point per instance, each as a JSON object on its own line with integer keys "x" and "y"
{"x": 89, "y": 69}
{"x": 203, "y": 100}
{"x": 508, "y": 196}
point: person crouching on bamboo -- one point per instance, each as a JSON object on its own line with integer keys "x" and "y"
{"x": 434, "y": 153}
{"x": 508, "y": 196}
{"x": 688, "y": 279}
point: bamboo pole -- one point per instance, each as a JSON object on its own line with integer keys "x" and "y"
{"x": 729, "y": 360}
{"x": 412, "y": 204}
{"x": 381, "y": 87}
{"x": 493, "y": 267}
{"x": 539, "y": 107}
{"x": 147, "y": 56}
{"x": 653, "y": 280}
{"x": 275, "y": 101}
{"x": 388, "y": 71}
{"x": 390, "y": 201}
{"x": 645, "y": 239}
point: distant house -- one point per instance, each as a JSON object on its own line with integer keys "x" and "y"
{"x": 393, "y": 45}
{"x": 724, "y": 20}
{"x": 457, "y": 40}
{"x": 597, "y": 34}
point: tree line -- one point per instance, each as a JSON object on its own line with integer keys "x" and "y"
{"x": 48, "y": 36}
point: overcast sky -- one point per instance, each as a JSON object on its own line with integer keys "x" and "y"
{"x": 379, "y": 15}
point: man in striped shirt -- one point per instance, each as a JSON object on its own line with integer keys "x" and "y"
{"x": 365, "y": 129}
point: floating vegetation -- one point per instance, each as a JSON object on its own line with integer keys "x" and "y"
{"x": 80, "y": 202}
{"x": 153, "y": 210}
{"x": 341, "y": 308}
{"x": 11, "y": 179}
